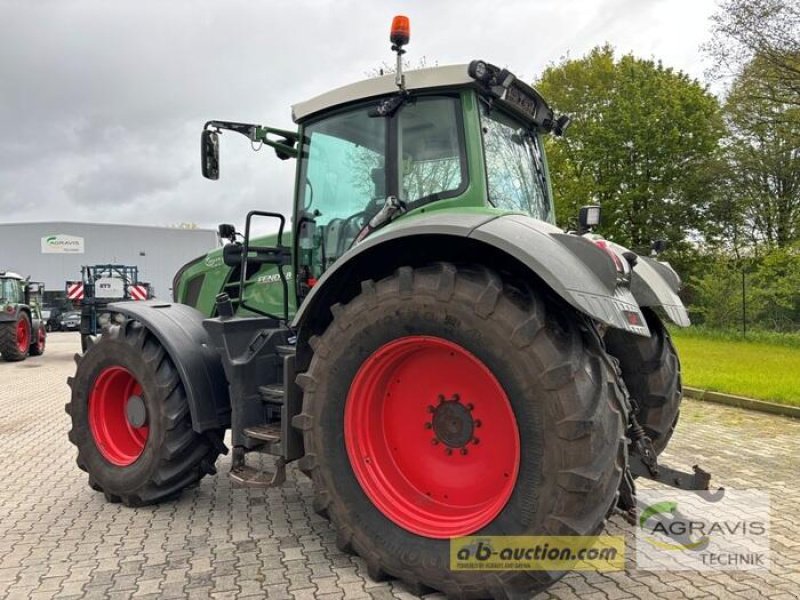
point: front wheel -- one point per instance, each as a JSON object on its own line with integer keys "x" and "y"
{"x": 131, "y": 421}
{"x": 15, "y": 338}
{"x": 444, "y": 402}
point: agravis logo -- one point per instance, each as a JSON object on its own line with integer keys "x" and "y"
{"x": 62, "y": 244}
{"x": 685, "y": 530}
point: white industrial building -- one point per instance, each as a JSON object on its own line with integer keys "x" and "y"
{"x": 54, "y": 252}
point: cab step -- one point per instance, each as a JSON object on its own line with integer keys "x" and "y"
{"x": 265, "y": 433}
{"x": 272, "y": 393}
{"x": 243, "y": 475}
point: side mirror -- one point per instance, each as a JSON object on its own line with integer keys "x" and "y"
{"x": 588, "y": 218}
{"x": 659, "y": 246}
{"x": 232, "y": 254}
{"x": 226, "y": 231}
{"x": 209, "y": 154}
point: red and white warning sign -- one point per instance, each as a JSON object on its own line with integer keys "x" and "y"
{"x": 137, "y": 292}
{"x": 74, "y": 290}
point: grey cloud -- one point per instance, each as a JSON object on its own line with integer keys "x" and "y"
{"x": 101, "y": 103}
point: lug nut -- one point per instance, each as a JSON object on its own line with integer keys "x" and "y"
{"x": 428, "y": 425}
{"x": 448, "y": 451}
{"x": 456, "y": 397}
{"x": 441, "y": 398}
{"x": 470, "y": 406}
{"x": 478, "y": 423}
{"x": 434, "y": 441}
{"x": 464, "y": 451}
{"x": 476, "y": 441}
{"x": 431, "y": 409}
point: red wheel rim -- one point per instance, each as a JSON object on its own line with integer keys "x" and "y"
{"x": 23, "y": 335}
{"x": 432, "y": 437}
{"x": 42, "y": 338}
{"x": 118, "y": 441}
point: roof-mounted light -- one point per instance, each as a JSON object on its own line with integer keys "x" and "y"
{"x": 401, "y": 31}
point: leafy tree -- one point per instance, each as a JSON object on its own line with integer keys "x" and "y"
{"x": 768, "y": 29}
{"x": 763, "y": 150}
{"x": 776, "y": 289}
{"x": 717, "y": 293}
{"x": 642, "y": 142}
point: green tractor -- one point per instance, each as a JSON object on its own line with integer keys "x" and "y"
{"x": 23, "y": 332}
{"x": 429, "y": 347}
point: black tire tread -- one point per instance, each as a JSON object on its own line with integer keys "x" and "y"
{"x": 588, "y": 492}
{"x": 651, "y": 370}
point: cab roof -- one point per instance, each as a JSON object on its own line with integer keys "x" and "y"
{"x": 433, "y": 77}
{"x": 11, "y": 275}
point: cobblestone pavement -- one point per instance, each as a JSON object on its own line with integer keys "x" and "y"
{"x": 60, "y": 539}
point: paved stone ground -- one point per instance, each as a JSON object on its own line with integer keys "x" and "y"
{"x": 60, "y": 539}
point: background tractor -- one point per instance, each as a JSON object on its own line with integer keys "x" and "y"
{"x": 436, "y": 354}
{"x": 22, "y": 330}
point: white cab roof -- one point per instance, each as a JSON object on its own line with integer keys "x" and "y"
{"x": 451, "y": 75}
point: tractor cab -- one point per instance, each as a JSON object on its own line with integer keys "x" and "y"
{"x": 22, "y": 329}
{"x": 449, "y": 137}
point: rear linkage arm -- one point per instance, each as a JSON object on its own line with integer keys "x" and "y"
{"x": 285, "y": 145}
{"x": 642, "y": 457}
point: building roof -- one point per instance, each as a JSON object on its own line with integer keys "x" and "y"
{"x": 433, "y": 77}
{"x": 96, "y": 224}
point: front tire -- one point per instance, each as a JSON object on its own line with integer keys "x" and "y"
{"x": 552, "y": 433}
{"x": 131, "y": 421}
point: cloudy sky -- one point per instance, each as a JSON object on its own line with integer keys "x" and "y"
{"x": 102, "y": 103}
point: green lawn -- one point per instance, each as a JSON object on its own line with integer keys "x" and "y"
{"x": 765, "y": 367}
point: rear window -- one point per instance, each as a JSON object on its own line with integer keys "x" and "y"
{"x": 193, "y": 286}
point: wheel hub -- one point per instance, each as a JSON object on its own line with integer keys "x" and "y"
{"x": 136, "y": 411}
{"x": 452, "y": 423}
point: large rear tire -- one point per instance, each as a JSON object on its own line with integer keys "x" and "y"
{"x": 651, "y": 370}
{"x": 436, "y": 359}
{"x": 131, "y": 421}
{"x": 15, "y": 338}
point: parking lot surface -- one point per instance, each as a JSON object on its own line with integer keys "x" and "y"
{"x": 59, "y": 539}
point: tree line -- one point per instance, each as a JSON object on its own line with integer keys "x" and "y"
{"x": 718, "y": 177}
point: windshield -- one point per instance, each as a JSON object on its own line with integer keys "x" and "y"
{"x": 514, "y": 166}
{"x": 352, "y": 161}
{"x": 9, "y": 289}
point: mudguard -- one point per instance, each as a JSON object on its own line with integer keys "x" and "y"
{"x": 656, "y": 284}
{"x": 573, "y": 267}
{"x": 180, "y": 330}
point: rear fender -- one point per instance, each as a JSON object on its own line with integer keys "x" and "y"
{"x": 573, "y": 268}
{"x": 179, "y": 328}
{"x": 655, "y": 284}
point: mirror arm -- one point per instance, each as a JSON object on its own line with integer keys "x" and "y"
{"x": 284, "y": 146}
